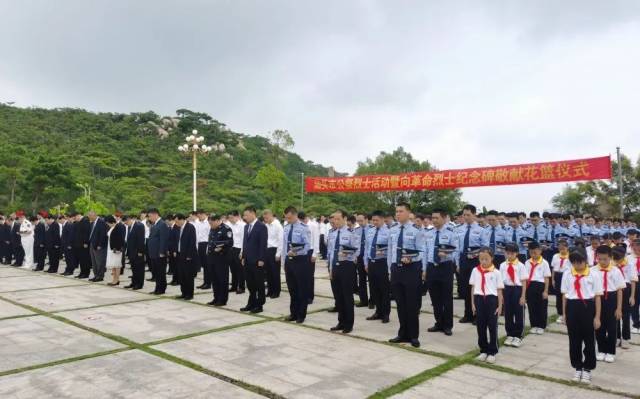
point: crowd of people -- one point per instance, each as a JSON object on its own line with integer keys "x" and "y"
{"x": 505, "y": 264}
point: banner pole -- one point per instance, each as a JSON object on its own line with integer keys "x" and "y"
{"x": 620, "y": 184}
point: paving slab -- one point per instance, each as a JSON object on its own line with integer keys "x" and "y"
{"x": 277, "y": 307}
{"x": 299, "y": 362}
{"x": 10, "y": 310}
{"x": 10, "y": 271}
{"x": 34, "y": 282}
{"x": 65, "y": 298}
{"x": 548, "y": 355}
{"x": 131, "y": 374}
{"x": 463, "y": 340}
{"x": 476, "y": 382}
{"x": 35, "y": 340}
{"x": 155, "y": 320}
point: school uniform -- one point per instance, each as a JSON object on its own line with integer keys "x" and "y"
{"x": 559, "y": 264}
{"x": 634, "y": 261}
{"x": 580, "y": 290}
{"x": 592, "y": 258}
{"x": 486, "y": 285}
{"x": 537, "y": 272}
{"x": 612, "y": 280}
{"x": 630, "y": 275}
{"x": 512, "y": 275}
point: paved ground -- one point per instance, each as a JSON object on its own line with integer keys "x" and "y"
{"x": 65, "y": 338}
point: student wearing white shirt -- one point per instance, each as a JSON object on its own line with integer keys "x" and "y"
{"x": 539, "y": 274}
{"x": 591, "y": 250}
{"x": 202, "y": 235}
{"x": 237, "y": 272}
{"x": 612, "y": 285}
{"x": 630, "y": 275}
{"x": 487, "y": 285}
{"x": 559, "y": 263}
{"x": 514, "y": 276}
{"x": 274, "y": 248}
{"x": 634, "y": 261}
{"x": 581, "y": 301}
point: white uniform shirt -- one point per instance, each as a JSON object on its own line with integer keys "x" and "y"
{"x": 591, "y": 256}
{"x": 541, "y": 271}
{"x": 314, "y": 228}
{"x": 614, "y": 282}
{"x": 520, "y": 273}
{"x": 492, "y": 282}
{"x": 238, "y": 233}
{"x": 275, "y": 236}
{"x": 634, "y": 261}
{"x": 559, "y": 265}
{"x": 147, "y": 230}
{"x": 590, "y": 285}
{"x": 202, "y": 230}
{"x": 629, "y": 271}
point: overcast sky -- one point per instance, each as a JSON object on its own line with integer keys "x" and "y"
{"x": 458, "y": 83}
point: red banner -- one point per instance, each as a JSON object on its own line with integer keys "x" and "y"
{"x": 561, "y": 171}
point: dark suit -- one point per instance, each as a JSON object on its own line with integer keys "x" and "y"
{"x": 135, "y": 252}
{"x": 188, "y": 259}
{"x": 157, "y": 245}
{"x": 68, "y": 233}
{"x": 81, "y": 246}
{"x": 172, "y": 248}
{"x": 120, "y": 230}
{"x": 5, "y": 243}
{"x": 254, "y": 250}
{"x": 98, "y": 242}
{"x": 219, "y": 257}
{"x": 53, "y": 243}
{"x": 16, "y": 243}
{"x": 39, "y": 244}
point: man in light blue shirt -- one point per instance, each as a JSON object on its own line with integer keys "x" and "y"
{"x": 375, "y": 263}
{"x": 295, "y": 249}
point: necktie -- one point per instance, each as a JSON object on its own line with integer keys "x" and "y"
{"x": 512, "y": 273}
{"x": 580, "y": 229}
{"x": 576, "y": 286}
{"x": 436, "y": 244}
{"x": 465, "y": 244}
{"x": 336, "y": 247}
{"x": 374, "y": 242}
{"x": 561, "y": 263}
{"x": 514, "y": 238}
{"x": 533, "y": 268}
{"x": 492, "y": 240}
{"x": 535, "y": 233}
{"x": 362, "y": 239}
{"x": 249, "y": 229}
{"x": 553, "y": 235}
{"x": 400, "y": 243}
{"x": 290, "y": 237}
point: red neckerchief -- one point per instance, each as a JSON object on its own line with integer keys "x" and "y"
{"x": 576, "y": 283}
{"x": 484, "y": 271}
{"x": 533, "y": 268}
{"x": 638, "y": 264}
{"x": 512, "y": 273}
{"x": 605, "y": 282}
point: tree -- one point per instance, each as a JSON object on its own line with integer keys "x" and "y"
{"x": 281, "y": 142}
{"x": 49, "y": 179}
{"x": 275, "y": 187}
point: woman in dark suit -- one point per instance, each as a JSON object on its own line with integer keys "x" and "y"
{"x": 114, "y": 250}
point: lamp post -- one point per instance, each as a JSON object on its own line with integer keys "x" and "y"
{"x": 194, "y": 144}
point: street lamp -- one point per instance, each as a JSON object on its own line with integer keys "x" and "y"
{"x": 194, "y": 144}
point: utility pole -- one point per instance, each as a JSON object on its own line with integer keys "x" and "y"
{"x": 620, "y": 183}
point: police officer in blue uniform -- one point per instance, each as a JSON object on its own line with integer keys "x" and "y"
{"x": 405, "y": 257}
{"x": 361, "y": 278}
{"x": 375, "y": 263}
{"x": 219, "y": 259}
{"x": 346, "y": 248}
{"x": 295, "y": 248}
{"x": 470, "y": 236}
{"x": 441, "y": 246}
{"x": 494, "y": 236}
{"x": 514, "y": 233}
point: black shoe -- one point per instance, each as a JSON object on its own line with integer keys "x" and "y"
{"x": 136, "y": 288}
{"x": 239, "y": 292}
{"x": 274, "y": 296}
{"x": 98, "y": 280}
{"x": 397, "y": 340}
{"x": 434, "y": 329}
{"x": 373, "y": 317}
{"x": 332, "y": 310}
{"x": 169, "y": 273}
{"x": 257, "y": 310}
{"x": 212, "y": 303}
{"x": 187, "y": 298}
{"x": 415, "y": 343}
{"x": 385, "y": 320}
{"x": 177, "y": 296}
{"x": 174, "y": 283}
{"x": 156, "y": 293}
{"x": 336, "y": 328}
{"x": 219, "y": 304}
{"x": 362, "y": 305}
{"x": 465, "y": 320}
{"x": 371, "y": 305}
{"x": 92, "y": 279}
{"x": 347, "y": 330}
{"x": 113, "y": 284}
{"x": 128, "y": 286}
{"x": 232, "y": 289}
{"x": 80, "y": 276}
{"x": 447, "y": 332}
{"x": 67, "y": 273}
{"x": 300, "y": 321}
{"x": 290, "y": 318}
{"x": 245, "y": 309}
{"x": 151, "y": 279}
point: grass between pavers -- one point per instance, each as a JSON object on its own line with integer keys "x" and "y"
{"x": 44, "y": 288}
{"x": 20, "y": 316}
{"x": 105, "y": 305}
{"x": 144, "y": 348}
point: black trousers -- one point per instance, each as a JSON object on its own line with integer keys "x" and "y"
{"x": 237, "y": 270}
{"x": 440, "y": 286}
{"x": 380, "y": 286}
{"x": 272, "y": 273}
{"x": 70, "y": 260}
{"x": 84, "y": 260}
{"x": 323, "y": 247}
{"x": 557, "y": 281}
{"x": 5, "y": 252}
{"x": 406, "y": 282}
{"x": 255, "y": 284}
{"x": 137, "y": 271}
{"x": 18, "y": 253}
{"x": 635, "y": 310}
{"x": 343, "y": 274}
{"x": 537, "y": 306}
{"x": 173, "y": 262}
{"x": 296, "y": 270}
{"x": 219, "y": 265}
{"x": 579, "y": 320}
{"x": 39, "y": 256}
{"x": 487, "y": 321}
{"x": 311, "y": 278}
{"x": 187, "y": 271}
{"x": 334, "y": 289}
{"x": 54, "y": 259}
{"x": 159, "y": 271}
{"x": 513, "y": 311}
{"x": 362, "y": 282}
{"x": 623, "y": 326}
{"x": 466, "y": 267}
{"x": 204, "y": 263}
{"x": 606, "y": 334}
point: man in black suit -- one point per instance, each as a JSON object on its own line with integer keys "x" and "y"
{"x": 157, "y": 244}
{"x": 98, "y": 242}
{"x": 81, "y": 245}
{"x": 135, "y": 248}
{"x": 187, "y": 254}
{"x": 16, "y": 240}
{"x": 39, "y": 241}
{"x": 68, "y": 231}
{"x": 5, "y": 240}
{"x": 53, "y": 243}
{"x": 172, "y": 248}
{"x": 254, "y": 253}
